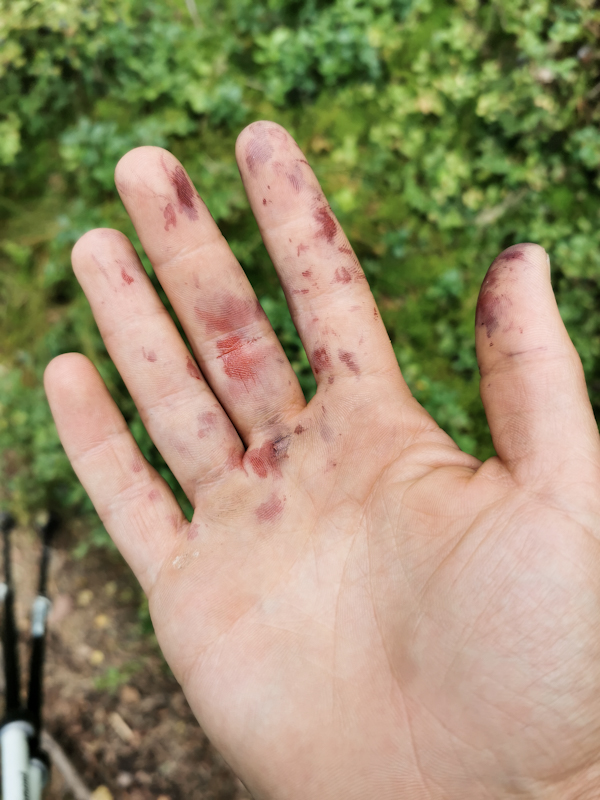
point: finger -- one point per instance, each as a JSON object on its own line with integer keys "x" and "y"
{"x": 328, "y": 295}
{"x": 532, "y": 382}
{"x": 179, "y": 410}
{"x": 233, "y": 341}
{"x": 134, "y": 503}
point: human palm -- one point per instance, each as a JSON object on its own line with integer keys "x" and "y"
{"x": 358, "y": 609}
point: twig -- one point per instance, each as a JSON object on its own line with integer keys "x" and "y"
{"x": 59, "y": 758}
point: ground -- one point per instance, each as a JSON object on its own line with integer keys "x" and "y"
{"x": 111, "y": 702}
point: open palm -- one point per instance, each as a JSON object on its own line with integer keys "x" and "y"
{"x": 358, "y": 609}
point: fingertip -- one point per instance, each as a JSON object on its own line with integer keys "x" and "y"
{"x": 70, "y": 380}
{"x": 136, "y": 157}
{"x": 256, "y": 128}
{"x": 94, "y": 240}
{"x": 62, "y": 365}
{"x": 524, "y": 252}
{"x": 258, "y": 142}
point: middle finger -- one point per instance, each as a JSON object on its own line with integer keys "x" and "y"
{"x": 232, "y": 339}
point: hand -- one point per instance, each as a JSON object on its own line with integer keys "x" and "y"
{"x": 358, "y": 609}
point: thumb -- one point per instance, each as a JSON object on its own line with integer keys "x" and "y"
{"x": 532, "y": 382}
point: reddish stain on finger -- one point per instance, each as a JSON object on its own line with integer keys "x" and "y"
{"x": 138, "y": 464}
{"x": 491, "y": 309}
{"x": 375, "y": 313}
{"x": 229, "y": 313}
{"x": 299, "y": 429}
{"x": 271, "y": 509}
{"x": 126, "y": 277}
{"x": 300, "y": 249}
{"x": 207, "y": 421}
{"x": 307, "y": 273}
{"x": 149, "y": 355}
{"x": 193, "y": 531}
{"x": 346, "y": 249}
{"x": 192, "y": 369}
{"x": 341, "y": 275}
{"x": 238, "y": 359}
{"x": 186, "y": 194}
{"x": 264, "y": 201}
{"x": 321, "y": 360}
{"x": 349, "y": 359}
{"x": 234, "y": 460}
{"x": 265, "y": 460}
{"x": 153, "y": 495}
{"x": 295, "y": 181}
{"x": 327, "y": 226}
{"x": 511, "y": 254}
{"x": 170, "y": 218}
{"x": 330, "y": 379}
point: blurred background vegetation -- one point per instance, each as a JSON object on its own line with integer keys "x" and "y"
{"x": 442, "y": 131}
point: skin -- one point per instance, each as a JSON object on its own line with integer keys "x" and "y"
{"x": 358, "y": 609}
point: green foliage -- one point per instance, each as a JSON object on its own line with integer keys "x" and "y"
{"x": 113, "y": 678}
{"x": 442, "y": 131}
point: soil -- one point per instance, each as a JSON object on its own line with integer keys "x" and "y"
{"x": 111, "y": 702}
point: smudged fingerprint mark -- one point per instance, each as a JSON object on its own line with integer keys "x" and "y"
{"x": 238, "y": 362}
{"x": 341, "y": 275}
{"x": 511, "y": 255}
{"x": 185, "y": 192}
{"x": 295, "y": 181}
{"x": 321, "y": 360}
{"x": 170, "y": 218}
{"x": 192, "y": 369}
{"x": 207, "y": 422}
{"x": 326, "y": 433}
{"x": 137, "y": 464}
{"x": 234, "y": 460}
{"x": 231, "y": 313}
{"x": 126, "y": 277}
{"x": 265, "y": 459}
{"x": 328, "y": 228}
{"x": 258, "y": 152}
{"x": 271, "y": 509}
{"x": 193, "y": 532}
{"x": 149, "y": 355}
{"x": 498, "y": 266}
{"x": 349, "y": 360}
{"x": 491, "y": 308}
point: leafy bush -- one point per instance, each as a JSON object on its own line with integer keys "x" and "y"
{"x": 441, "y": 131}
